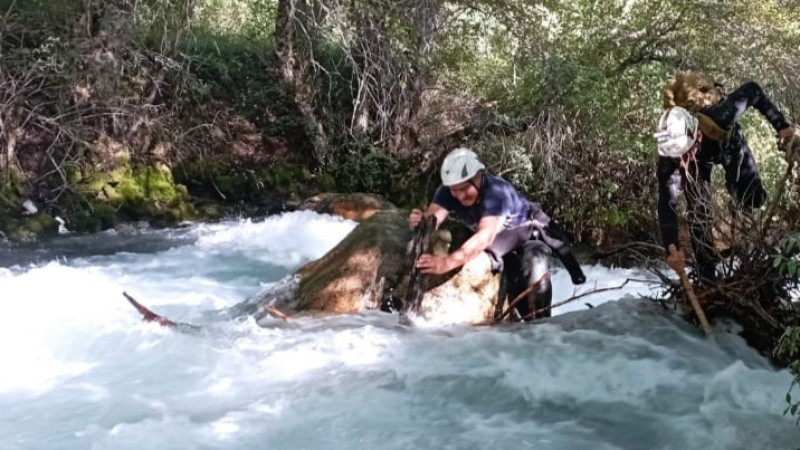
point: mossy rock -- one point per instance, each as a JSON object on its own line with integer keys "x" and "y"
{"x": 370, "y": 266}
{"x": 210, "y": 209}
{"x": 164, "y": 214}
{"x": 29, "y": 228}
{"x": 101, "y": 217}
{"x": 146, "y": 192}
{"x": 157, "y": 183}
{"x": 346, "y": 279}
{"x": 12, "y": 224}
{"x": 11, "y": 193}
{"x": 132, "y": 184}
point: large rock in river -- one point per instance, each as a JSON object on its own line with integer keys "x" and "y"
{"x": 370, "y": 267}
{"x": 355, "y": 206}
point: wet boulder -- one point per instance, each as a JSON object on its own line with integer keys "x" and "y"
{"x": 354, "y": 206}
{"x": 370, "y": 268}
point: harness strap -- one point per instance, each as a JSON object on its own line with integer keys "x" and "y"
{"x": 710, "y": 128}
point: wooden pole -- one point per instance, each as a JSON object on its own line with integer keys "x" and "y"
{"x": 698, "y": 310}
{"x": 687, "y": 287}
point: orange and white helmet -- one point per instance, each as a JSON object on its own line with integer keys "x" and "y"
{"x": 677, "y": 132}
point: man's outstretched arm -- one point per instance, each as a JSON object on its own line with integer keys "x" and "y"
{"x": 433, "y": 209}
{"x": 488, "y": 227}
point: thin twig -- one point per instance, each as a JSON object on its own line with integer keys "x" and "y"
{"x": 522, "y": 295}
{"x": 576, "y": 297}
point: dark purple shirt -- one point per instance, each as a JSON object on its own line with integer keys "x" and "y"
{"x": 497, "y": 197}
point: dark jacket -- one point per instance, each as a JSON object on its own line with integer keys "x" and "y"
{"x": 733, "y": 153}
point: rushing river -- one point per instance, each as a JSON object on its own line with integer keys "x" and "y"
{"x": 81, "y": 370}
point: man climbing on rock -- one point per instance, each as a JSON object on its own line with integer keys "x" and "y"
{"x": 517, "y": 235}
{"x": 700, "y": 128}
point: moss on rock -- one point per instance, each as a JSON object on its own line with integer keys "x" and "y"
{"x": 29, "y": 228}
{"x": 13, "y": 224}
{"x": 131, "y": 192}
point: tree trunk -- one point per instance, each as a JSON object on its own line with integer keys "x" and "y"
{"x": 184, "y": 22}
{"x": 294, "y": 34}
{"x": 427, "y": 18}
{"x": 8, "y": 139}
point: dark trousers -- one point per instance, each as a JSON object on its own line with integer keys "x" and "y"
{"x": 745, "y": 187}
{"x": 524, "y": 267}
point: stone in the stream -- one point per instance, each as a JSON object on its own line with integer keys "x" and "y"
{"x": 369, "y": 266}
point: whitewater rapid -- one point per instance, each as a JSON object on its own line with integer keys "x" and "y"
{"x": 80, "y": 370}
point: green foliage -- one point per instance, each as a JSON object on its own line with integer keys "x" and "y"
{"x": 597, "y": 70}
{"x": 364, "y": 168}
{"x": 225, "y": 177}
{"x": 509, "y": 157}
{"x": 250, "y": 19}
{"x": 59, "y": 16}
{"x": 217, "y": 177}
{"x": 162, "y": 24}
{"x": 574, "y": 87}
{"x": 281, "y": 174}
{"x": 789, "y": 347}
{"x": 240, "y": 72}
{"x": 786, "y": 261}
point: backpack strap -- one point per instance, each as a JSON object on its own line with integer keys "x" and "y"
{"x": 710, "y": 128}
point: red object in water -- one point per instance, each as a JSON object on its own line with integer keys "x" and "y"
{"x": 149, "y": 316}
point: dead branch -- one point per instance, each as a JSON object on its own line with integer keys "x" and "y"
{"x": 576, "y": 297}
{"x": 513, "y": 303}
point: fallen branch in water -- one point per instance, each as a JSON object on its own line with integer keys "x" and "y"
{"x": 147, "y": 315}
{"x": 150, "y": 316}
{"x": 275, "y": 312}
{"x": 575, "y": 297}
{"x": 522, "y": 295}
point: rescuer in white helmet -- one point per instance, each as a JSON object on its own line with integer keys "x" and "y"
{"x": 698, "y": 129}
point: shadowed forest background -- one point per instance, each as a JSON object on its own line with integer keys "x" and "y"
{"x": 120, "y": 109}
{"x": 168, "y": 110}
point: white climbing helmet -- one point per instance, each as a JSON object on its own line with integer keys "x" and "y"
{"x": 460, "y": 165}
{"x": 677, "y": 132}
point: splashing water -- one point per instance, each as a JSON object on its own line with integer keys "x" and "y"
{"x": 81, "y": 370}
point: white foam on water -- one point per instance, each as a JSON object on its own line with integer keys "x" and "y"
{"x": 81, "y": 370}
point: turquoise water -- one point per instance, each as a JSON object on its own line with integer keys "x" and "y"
{"x": 82, "y": 371}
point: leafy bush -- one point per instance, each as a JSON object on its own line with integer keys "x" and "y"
{"x": 364, "y": 168}
{"x": 789, "y": 345}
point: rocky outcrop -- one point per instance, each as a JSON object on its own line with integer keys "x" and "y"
{"x": 370, "y": 267}
{"x": 467, "y": 297}
{"x": 357, "y": 273}
{"x": 355, "y": 206}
